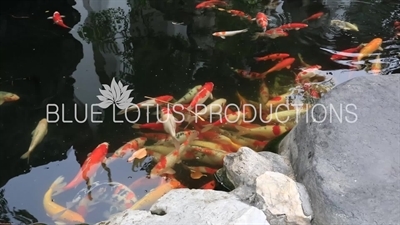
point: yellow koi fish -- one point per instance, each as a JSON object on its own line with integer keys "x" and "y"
{"x": 37, "y": 136}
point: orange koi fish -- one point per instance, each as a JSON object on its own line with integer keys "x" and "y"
{"x": 89, "y": 167}
{"x": 377, "y": 66}
{"x": 57, "y": 19}
{"x": 370, "y": 48}
{"x": 150, "y": 198}
{"x": 160, "y": 100}
{"x": 59, "y": 213}
{"x": 273, "y": 57}
{"x": 314, "y": 16}
{"x": 293, "y": 26}
{"x": 262, "y": 20}
{"x": 286, "y": 63}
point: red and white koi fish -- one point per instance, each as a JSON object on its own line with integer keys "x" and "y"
{"x": 314, "y": 16}
{"x": 223, "y": 34}
{"x": 132, "y": 145}
{"x": 271, "y": 33}
{"x": 308, "y": 73}
{"x": 189, "y": 96}
{"x": 262, "y": 20}
{"x": 169, "y": 122}
{"x": 57, "y": 19}
{"x": 89, "y": 167}
{"x": 286, "y": 63}
{"x": 160, "y": 100}
{"x": 273, "y": 57}
{"x": 293, "y": 26}
{"x": 204, "y": 93}
{"x": 214, "y": 107}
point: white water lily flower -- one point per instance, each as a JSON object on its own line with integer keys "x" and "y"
{"x": 116, "y": 94}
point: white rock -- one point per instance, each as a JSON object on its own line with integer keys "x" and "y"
{"x": 279, "y": 198}
{"x": 184, "y": 206}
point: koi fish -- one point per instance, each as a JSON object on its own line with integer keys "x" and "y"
{"x": 377, "y": 66}
{"x": 166, "y": 163}
{"x": 371, "y": 47}
{"x": 344, "y": 25}
{"x": 311, "y": 72}
{"x": 314, "y": 16}
{"x": 204, "y": 93}
{"x": 57, "y": 19}
{"x": 234, "y": 117}
{"x": 8, "y": 97}
{"x": 248, "y": 113}
{"x": 56, "y": 211}
{"x": 130, "y": 146}
{"x": 89, "y": 167}
{"x": 150, "y": 126}
{"x": 150, "y": 198}
{"x": 119, "y": 196}
{"x": 256, "y": 145}
{"x": 223, "y": 34}
{"x": 160, "y": 100}
{"x": 273, "y": 57}
{"x": 263, "y": 93}
{"x": 190, "y": 95}
{"x": 277, "y": 100}
{"x": 271, "y": 33}
{"x": 209, "y": 185}
{"x": 340, "y": 55}
{"x": 267, "y": 131}
{"x": 262, "y": 20}
{"x": 293, "y": 26}
{"x": 286, "y": 63}
{"x": 285, "y": 116}
{"x": 169, "y": 122}
{"x": 237, "y": 13}
{"x": 214, "y": 107}
{"x": 180, "y": 136}
{"x": 139, "y": 154}
{"x": 247, "y": 74}
{"x": 37, "y": 136}
{"x": 210, "y": 4}
{"x": 213, "y": 157}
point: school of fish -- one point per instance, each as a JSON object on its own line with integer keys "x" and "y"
{"x": 196, "y": 142}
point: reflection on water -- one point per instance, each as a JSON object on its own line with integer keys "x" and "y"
{"x": 157, "y": 48}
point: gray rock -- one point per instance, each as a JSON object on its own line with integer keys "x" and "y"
{"x": 244, "y": 166}
{"x": 184, "y": 206}
{"x": 278, "y": 163}
{"x": 279, "y": 198}
{"x": 351, "y": 169}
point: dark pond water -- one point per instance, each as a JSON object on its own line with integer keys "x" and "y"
{"x": 157, "y": 48}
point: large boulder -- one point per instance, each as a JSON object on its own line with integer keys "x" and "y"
{"x": 184, "y": 206}
{"x": 351, "y": 167}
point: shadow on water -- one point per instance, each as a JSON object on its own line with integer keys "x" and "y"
{"x": 157, "y": 48}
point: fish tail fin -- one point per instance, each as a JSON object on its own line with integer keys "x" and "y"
{"x": 58, "y": 183}
{"x": 26, "y": 156}
{"x": 255, "y": 36}
{"x": 242, "y": 130}
{"x": 136, "y": 126}
{"x": 50, "y": 18}
{"x": 245, "y": 30}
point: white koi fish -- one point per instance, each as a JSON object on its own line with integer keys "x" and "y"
{"x": 223, "y": 34}
{"x": 37, "y": 136}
